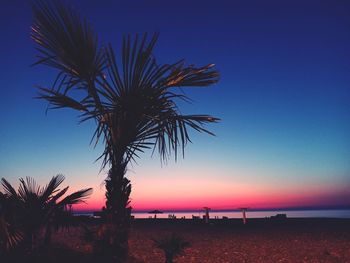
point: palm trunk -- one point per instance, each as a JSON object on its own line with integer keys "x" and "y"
{"x": 48, "y": 235}
{"x": 169, "y": 258}
{"x": 118, "y": 188}
{"x": 118, "y": 212}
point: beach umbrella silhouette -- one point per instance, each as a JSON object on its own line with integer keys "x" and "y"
{"x": 207, "y": 209}
{"x": 155, "y": 212}
{"x": 244, "y": 209}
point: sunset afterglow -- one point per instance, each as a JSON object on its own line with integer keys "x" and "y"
{"x": 283, "y": 100}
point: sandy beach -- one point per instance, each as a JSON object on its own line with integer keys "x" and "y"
{"x": 261, "y": 240}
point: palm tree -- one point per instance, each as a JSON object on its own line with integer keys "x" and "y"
{"x": 172, "y": 246}
{"x": 34, "y": 208}
{"x": 132, "y": 100}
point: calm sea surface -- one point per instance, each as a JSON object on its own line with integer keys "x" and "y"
{"x": 249, "y": 214}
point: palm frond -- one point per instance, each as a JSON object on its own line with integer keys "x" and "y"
{"x": 9, "y": 190}
{"x": 191, "y": 76}
{"x": 9, "y": 236}
{"x": 66, "y": 41}
{"x": 59, "y": 100}
{"x": 57, "y": 196}
{"x": 76, "y": 197}
{"x": 28, "y": 188}
{"x": 137, "y": 63}
{"x": 51, "y": 187}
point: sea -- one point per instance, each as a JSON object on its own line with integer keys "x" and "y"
{"x": 340, "y": 213}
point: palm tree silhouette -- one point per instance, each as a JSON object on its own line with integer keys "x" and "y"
{"x": 172, "y": 245}
{"x": 132, "y": 101}
{"x": 34, "y": 208}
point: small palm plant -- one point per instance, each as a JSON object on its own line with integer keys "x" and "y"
{"x": 34, "y": 208}
{"x": 172, "y": 246}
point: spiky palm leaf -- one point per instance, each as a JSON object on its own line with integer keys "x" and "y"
{"x": 8, "y": 189}
{"x": 75, "y": 198}
{"x": 66, "y": 42}
{"x": 52, "y": 187}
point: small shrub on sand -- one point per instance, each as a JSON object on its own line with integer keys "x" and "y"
{"x": 172, "y": 245}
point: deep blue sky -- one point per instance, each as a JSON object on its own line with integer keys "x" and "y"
{"x": 283, "y": 99}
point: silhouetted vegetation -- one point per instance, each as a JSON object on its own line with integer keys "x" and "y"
{"x": 132, "y": 101}
{"x": 29, "y": 215}
{"x": 172, "y": 245}
{"x": 100, "y": 238}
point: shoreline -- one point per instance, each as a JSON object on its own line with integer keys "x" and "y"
{"x": 344, "y": 213}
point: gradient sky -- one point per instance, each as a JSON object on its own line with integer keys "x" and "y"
{"x": 283, "y": 97}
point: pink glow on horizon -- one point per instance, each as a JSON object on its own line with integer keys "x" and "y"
{"x": 177, "y": 193}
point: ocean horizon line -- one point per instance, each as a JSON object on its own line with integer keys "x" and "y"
{"x": 228, "y": 210}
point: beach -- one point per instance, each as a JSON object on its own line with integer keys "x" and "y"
{"x": 260, "y": 240}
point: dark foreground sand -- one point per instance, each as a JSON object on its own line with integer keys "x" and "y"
{"x": 261, "y": 240}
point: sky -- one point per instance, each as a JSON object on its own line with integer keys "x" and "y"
{"x": 283, "y": 100}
